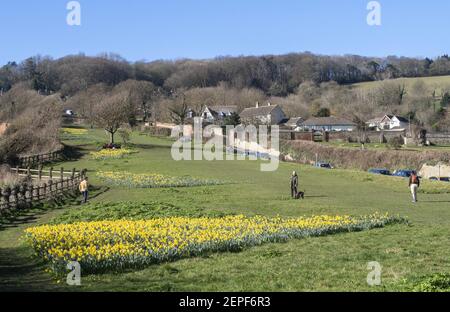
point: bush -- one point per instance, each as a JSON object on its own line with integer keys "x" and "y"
{"x": 157, "y": 131}
{"x": 396, "y": 142}
{"x": 125, "y": 135}
{"x": 305, "y": 152}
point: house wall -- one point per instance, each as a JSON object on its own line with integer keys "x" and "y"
{"x": 277, "y": 116}
{"x": 208, "y": 114}
{"x": 332, "y": 128}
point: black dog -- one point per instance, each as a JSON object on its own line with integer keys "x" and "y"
{"x": 300, "y": 195}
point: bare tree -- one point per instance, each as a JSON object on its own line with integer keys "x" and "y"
{"x": 179, "y": 108}
{"x": 112, "y": 112}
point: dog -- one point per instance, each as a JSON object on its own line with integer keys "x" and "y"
{"x": 300, "y": 195}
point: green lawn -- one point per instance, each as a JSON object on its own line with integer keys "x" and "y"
{"x": 332, "y": 263}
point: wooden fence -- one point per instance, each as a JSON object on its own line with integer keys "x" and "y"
{"x": 35, "y": 160}
{"x": 40, "y": 186}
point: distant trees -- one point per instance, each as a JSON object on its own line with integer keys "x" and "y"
{"x": 276, "y": 76}
{"x": 304, "y": 84}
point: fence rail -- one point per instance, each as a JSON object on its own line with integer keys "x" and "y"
{"x": 34, "y": 160}
{"x": 33, "y": 191}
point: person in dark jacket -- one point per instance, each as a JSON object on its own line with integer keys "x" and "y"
{"x": 294, "y": 185}
{"x": 414, "y": 184}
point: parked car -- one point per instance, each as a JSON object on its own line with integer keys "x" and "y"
{"x": 380, "y": 171}
{"x": 323, "y": 165}
{"x": 404, "y": 173}
{"x": 443, "y": 179}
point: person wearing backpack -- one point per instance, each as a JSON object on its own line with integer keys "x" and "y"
{"x": 414, "y": 184}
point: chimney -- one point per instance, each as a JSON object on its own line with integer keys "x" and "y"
{"x": 257, "y": 104}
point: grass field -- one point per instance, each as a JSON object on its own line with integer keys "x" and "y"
{"x": 408, "y": 253}
{"x": 433, "y": 83}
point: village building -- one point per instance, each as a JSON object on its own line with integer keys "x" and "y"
{"x": 331, "y": 124}
{"x": 216, "y": 114}
{"x": 294, "y": 123}
{"x": 388, "y": 123}
{"x": 266, "y": 115}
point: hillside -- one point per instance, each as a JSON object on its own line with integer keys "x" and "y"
{"x": 437, "y": 83}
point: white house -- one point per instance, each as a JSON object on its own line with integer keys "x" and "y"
{"x": 214, "y": 114}
{"x": 389, "y": 123}
{"x": 328, "y": 124}
{"x": 267, "y": 115}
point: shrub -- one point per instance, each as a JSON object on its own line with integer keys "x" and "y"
{"x": 396, "y": 142}
{"x": 157, "y": 131}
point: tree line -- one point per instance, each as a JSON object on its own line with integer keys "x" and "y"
{"x": 273, "y": 75}
{"x": 109, "y": 92}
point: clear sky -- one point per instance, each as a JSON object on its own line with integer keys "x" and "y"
{"x": 171, "y": 29}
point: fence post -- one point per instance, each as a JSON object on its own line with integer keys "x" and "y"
{"x": 40, "y": 172}
{"x": 6, "y": 193}
{"x": 51, "y": 173}
{"x": 23, "y": 195}
{"x": 14, "y": 203}
{"x": 62, "y": 173}
{"x": 44, "y": 195}
{"x": 50, "y": 190}
{"x": 29, "y": 195}
{"x": 1, "y": 202}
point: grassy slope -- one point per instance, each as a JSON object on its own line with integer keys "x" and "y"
{"x": 431, "y": 82}
{"x": 327, "y": 263}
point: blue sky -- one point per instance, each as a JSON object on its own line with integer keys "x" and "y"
{"x": 171, "y": 29}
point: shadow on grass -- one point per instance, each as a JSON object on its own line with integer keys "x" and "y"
{"x": 25, "y": 216}
{"x": 19, "y": 271}
{"x": 30, "y": 216}
{"x": 150, "y": 146}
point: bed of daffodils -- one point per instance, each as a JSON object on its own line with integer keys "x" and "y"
{"x": 152, "y": 180}
{"x": 115, "y": 245}
{"x": 74, "y": 131}
{"x": 108, "y": 153}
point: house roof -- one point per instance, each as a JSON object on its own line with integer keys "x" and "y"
{"x": 388, "y": 116}
{"x": 216, "y": 110}
{"x": 376, "y": 120}
{"x": 258, "y": 111}
{"x": 402, "y": 119}
{"x": 293, "y": 121}
{"x": 328, "y": 121}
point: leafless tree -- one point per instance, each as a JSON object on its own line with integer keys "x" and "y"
{"x": 112, "y": 112}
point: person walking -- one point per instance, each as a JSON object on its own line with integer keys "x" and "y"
{"x": 294, "y": 185}
{"x": 84, "y": 189}
{"x": 414, "y": 184}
